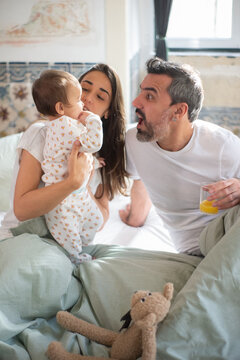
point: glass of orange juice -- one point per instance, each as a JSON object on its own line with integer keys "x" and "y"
{"x": 206, "y": 206}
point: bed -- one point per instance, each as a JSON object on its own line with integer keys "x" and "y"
{"x": 37, "y": 280}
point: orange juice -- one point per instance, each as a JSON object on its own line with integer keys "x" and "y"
{"x": 206, "y": 206}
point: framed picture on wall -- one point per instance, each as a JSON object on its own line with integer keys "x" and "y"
{"x": 46, "y": 30}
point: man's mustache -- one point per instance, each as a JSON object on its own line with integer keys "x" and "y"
{"x": 139, "y": 111}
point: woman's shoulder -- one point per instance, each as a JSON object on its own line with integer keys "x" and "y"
{"x": 37, "y": 128}
{"x": 36, "y": 131}
{"x": 33, "y": 140}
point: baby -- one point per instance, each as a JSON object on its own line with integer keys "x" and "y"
{"x": 57, "y": 95}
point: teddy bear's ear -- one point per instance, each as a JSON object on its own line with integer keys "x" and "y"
{"x": 168, "y": 291}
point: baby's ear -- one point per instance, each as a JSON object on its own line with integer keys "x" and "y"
{"x": 59, "y": 108}
{"x": 168, "y": 291}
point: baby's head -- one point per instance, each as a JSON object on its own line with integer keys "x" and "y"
{"x": 57, "y": 93}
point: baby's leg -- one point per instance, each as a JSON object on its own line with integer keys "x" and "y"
{"x": 92, "y": 220}
{"x": 63, "y": 223}
{"x": 56, "y": 351}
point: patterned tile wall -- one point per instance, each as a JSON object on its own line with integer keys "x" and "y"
{"x": 17, "y": 109}
{"x": 228, "y": 117}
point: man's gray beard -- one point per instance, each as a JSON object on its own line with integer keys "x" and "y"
{"x": 152, "y": 134}
{"x": 144, "y": 136}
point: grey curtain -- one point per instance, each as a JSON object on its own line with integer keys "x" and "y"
{"x": 162, "y": 12}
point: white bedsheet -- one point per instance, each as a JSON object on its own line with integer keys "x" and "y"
{"x": 1, "y": 216}
{"x": 151, "y": 236}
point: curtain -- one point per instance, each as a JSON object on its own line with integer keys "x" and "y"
{"x": 162, "y": 10}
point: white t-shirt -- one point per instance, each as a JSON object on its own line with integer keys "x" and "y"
{"x": 173, "y": 179}
{"x": 32, "y": 140}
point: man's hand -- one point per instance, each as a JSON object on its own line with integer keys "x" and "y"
{"x": 135, "y": 214}
{"x": 125, "y": 214}
{"x": 225, "y": 193}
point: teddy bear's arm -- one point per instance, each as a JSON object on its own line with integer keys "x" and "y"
{"x": 147, "y": 322}
{"x": 91, "y": 331}
{"x": 168, "y": 291}
{"x": 149, "y": 343}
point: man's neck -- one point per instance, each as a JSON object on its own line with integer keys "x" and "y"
{"x": 178, "y": 138}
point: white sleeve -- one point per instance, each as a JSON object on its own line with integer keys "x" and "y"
{"x": 33, "y": 140}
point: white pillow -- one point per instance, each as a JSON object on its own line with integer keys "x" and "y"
{"x": 8, "y": 146}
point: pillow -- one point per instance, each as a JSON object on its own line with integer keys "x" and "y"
{"x": 8, "y": 146}
{"x": 35, "y": 282}
{"x": 203, "y": 322}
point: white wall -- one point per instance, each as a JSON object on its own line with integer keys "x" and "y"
{"x": 116, "y": 40}
{"x": 49, "y": 41}
{"x": 147, "y": 30}
{"x": 129, "y": 32}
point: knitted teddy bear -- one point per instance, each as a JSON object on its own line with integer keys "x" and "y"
{"x": 139, "y": 339}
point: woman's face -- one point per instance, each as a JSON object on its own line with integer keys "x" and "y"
{"x": 96, "y": 93}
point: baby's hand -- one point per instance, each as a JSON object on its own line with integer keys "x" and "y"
{"x": 101, "y": 162}
{"x": 98, "y": 162}
{"x": 82, "y": 117}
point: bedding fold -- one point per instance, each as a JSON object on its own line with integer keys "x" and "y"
{"x": 36, "y": 281}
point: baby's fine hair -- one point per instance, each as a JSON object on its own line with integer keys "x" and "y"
{"x": 186, "y": 85}
{"x": 50, "y": 88}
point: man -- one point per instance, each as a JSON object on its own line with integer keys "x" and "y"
{"x": 170, "y": 154}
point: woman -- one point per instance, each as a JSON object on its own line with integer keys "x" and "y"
{"x": 96, "y": 98}
{"x": 102, "y": 95}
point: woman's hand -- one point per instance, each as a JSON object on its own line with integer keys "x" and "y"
{"x": 80, "y": 166}
{"x": 225, "y": 193}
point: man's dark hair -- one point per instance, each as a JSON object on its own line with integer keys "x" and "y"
{"x": 186, "y": 85}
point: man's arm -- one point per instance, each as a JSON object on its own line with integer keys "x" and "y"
{"x": 137, "y": 211}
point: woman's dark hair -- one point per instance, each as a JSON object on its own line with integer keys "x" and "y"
{"x": 114, "y": 174}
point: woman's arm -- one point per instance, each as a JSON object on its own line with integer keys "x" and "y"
{"x": 31, "y": 201}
